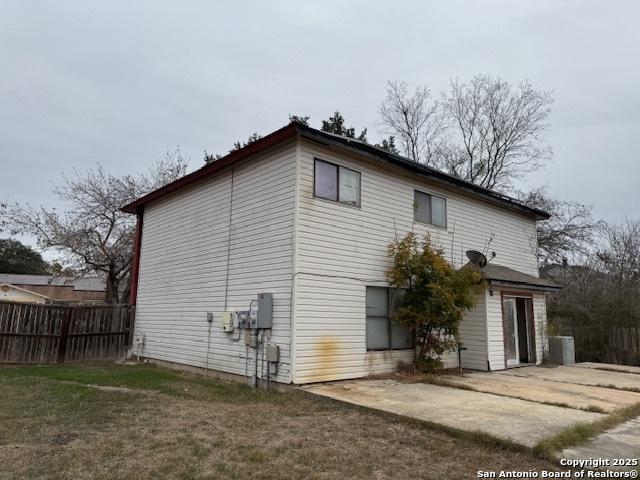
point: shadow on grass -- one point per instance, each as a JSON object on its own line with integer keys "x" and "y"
{"x": 145, "y": 378}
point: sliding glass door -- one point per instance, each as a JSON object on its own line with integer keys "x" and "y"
{"x": 510, "y": 325}
{"x": 519, "y": 336}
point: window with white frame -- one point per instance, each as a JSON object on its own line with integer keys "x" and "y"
{"x": 337, "y": 183}
{"x": 383, "y": 333}
{"x": 430, "y": 209}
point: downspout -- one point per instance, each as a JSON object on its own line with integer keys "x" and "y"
{"x": 135, "y": 262}
{"x": 135, "y": 274}
{"x": 226, "y": 277}
{"x": 294, "y": 260}
{"x": 487, "y": 296}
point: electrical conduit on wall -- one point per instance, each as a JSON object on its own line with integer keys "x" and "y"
{"x": 226, "y": 279}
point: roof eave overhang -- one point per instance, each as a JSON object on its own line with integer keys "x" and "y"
{"x": 433, "y": 175}
{"x": 258, "y": 146}
{"x": 523, "y": 285}
{"x": 328, "y": 140}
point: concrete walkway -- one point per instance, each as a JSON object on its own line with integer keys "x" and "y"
{"x": 609, "y": 367}
{"x": 520, "y": 421}
{"x": 620, "y": 442}
{"x": 537, "y": 390}
{"x": 579, "y": 376}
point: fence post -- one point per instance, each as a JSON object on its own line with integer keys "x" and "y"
{"x": 64, "y": 334}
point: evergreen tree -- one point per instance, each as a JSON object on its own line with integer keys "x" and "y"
{"x": 336, "y": 124}
{"x": 15, "y": 257}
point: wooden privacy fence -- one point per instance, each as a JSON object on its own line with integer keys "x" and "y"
{"x": 605, "y": 344}
{"x": 624, "y": 346}
{"x": 57, "y": 333}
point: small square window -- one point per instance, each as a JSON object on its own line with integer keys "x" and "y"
{"x": 337, "y": 183}
{"x": 430, "y": 209}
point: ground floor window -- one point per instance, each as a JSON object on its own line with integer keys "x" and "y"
{"x": 382, "y": 332}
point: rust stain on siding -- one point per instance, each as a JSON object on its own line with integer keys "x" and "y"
{"x": 326, "y": 350}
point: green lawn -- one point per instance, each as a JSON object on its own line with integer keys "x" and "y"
{"x": 139, "y": 422}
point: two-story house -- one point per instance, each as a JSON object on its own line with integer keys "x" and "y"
{"x": 307, "y": 216}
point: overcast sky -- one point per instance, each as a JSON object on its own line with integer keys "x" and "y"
{"x": 119, "y": 83}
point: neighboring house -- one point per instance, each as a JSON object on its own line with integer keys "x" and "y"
{"x": 307, "y": 216}
{"x": 51, "y": 289}
{"x": 11, "y": 293}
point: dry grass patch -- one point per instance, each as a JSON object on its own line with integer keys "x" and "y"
{"x": 56, "y": 427}
{"x": 583, "y": 433}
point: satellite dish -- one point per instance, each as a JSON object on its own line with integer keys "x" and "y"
{"x": 477, "y": 258}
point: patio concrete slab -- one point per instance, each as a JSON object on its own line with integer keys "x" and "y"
{"x": 580, "y": 376}
{"x": 621, "y": 442}
{"x": 609, "y": 367}
{"x": 520, "y": 421}
{"x": 537, "y": 390}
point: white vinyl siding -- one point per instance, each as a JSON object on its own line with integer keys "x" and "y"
{"x": 473, "y": 334}
{"x": 342, "y": 250}
{"x": 495, "y": 333}
{"x": 330, "y": 332}
{"x": 540, "y": 318}
{"x": 386, "y": 361}
{"x": 330, "y": 335}
{"x": 316, "y": 256}
{"x": 183, "y": 263}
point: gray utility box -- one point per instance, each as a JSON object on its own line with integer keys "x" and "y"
{"x": 562, "y": 350}
{"x": 272, "y": 352}
{"x": 265, "y": 310}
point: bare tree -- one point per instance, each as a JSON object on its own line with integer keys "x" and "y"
{"x": 621, "y": 255}
{"x": 93, "y": 235}
{"x": 415, "y": 120}
{"x": 497, "y": 130}
{"x": 570, "y": 231}
{"x": 599, "y": 302}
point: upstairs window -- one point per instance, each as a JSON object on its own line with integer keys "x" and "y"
{"x": 382, "y": 332}
{"x": 337, "y": 183}
{"x": 430, "y": 209}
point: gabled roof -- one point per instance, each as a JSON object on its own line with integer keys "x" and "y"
{"x": 499, "y": 275}
{"x": 338, "y": 141}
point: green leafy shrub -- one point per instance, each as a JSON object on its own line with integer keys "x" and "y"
{"x": 436, "y": 296}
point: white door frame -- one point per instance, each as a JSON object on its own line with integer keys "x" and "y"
{"x": 513, "y": 296}
{"x": 514, "y": 332}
